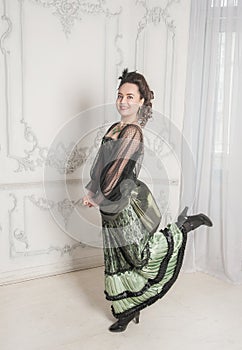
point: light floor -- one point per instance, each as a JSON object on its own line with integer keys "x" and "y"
{"x": 69, "y": 312}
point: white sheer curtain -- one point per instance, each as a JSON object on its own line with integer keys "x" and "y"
{"x": 213, "y": 129}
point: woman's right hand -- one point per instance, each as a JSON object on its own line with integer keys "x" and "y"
{"x": 87, "y": 201}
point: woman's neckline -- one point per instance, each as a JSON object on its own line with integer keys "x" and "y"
{"x": 126, "y": 124}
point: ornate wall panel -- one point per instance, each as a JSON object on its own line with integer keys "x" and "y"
{"x": 59, "y": 58}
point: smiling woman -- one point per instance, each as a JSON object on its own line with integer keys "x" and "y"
{"x": 128, "y": 102}
{"x": 141, "y": 263}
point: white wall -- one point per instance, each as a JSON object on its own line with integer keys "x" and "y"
{"x": 57, "y": 59}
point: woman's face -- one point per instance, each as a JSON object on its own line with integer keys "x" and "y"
{"x": 128, "y": 100}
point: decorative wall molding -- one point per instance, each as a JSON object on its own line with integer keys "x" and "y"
{"x": 6, "y": 33}
{"x": 67, "y": 159}
{"x": 35, "y": 158}
{"x": 10, "y": 233}
{"x": 65, "y": 207}
{"x": 70, "y": 11}
{"x": 119, "y": 63}
{"x": 156, "y": 15}
{"x": 21, "y": 236}
{"x": 6, "y": 54}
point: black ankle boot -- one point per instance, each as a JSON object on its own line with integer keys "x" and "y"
{"x": 189, "y": 223}
{"x": 123, "y": 322}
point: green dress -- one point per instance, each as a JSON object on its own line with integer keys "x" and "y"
{"x": 141, "y": 263}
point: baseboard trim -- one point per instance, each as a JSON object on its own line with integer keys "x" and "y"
{"x": 29, "y": 273}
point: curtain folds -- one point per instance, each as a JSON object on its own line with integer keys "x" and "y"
{"x": 213, "y": 128}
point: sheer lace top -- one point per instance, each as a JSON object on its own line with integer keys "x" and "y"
{"x": 116, "y": 160}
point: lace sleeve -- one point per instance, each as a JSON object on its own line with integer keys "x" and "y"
{"x": 97, "y": 166}
{"x": 125, "y": 152}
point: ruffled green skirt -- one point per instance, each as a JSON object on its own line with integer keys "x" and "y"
{"x": 141, "y": 263}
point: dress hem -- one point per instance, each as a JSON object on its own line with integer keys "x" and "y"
{"x": 151, "y": 281}
{"x": 165, "y": 289}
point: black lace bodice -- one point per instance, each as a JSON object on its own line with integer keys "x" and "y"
{"x": 117, "y": 160}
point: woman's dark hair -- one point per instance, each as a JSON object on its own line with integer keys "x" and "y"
{"x": 145, "y": 111}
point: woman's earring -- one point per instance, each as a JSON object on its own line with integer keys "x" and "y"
{"x": 139, "y": 111}
{"x": 141, "y": 116}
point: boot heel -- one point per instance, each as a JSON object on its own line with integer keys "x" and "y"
{"x": 184, "y": 212}
{"x": 123, "y": 322}
{"x": 182, "y": 217}
{"x": 136, "y": 318}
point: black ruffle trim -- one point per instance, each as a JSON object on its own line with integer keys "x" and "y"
{"x": 165, "y": 289}
{"x": 150, "y": 282}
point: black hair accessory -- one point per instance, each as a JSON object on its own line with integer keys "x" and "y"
{"x": 124, "y": 74}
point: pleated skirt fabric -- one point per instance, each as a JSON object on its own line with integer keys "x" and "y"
{"x": 141, "y": 263}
